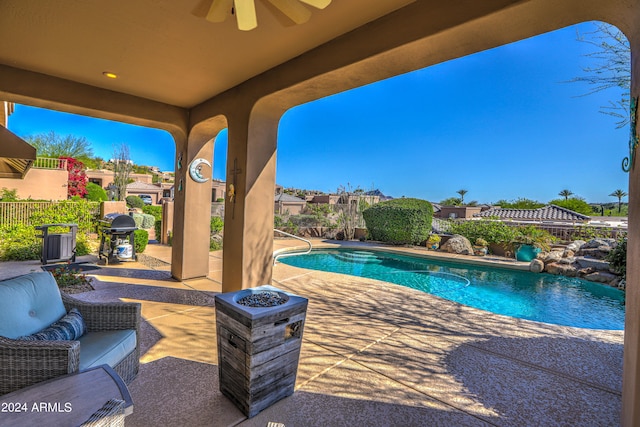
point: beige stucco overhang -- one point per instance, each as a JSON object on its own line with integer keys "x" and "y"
{"x": 16, "y": 155}
{"x": 277, "y": 70}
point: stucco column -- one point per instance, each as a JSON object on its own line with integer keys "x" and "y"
{"x": 248, "y": 217}
{"x": 192, "y": 212}
{"x": 631, "y": 376}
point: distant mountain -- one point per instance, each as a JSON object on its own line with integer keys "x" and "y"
{"x": 379, "y": 193}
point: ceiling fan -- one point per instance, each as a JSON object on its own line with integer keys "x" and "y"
{"x": 245, "y": 11}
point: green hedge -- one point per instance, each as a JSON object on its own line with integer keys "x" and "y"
{"x": 19, "y": 243}
{"x": 141, "y": 238}
{"x": 492, "y": 231}
{"x": 134, "y": 202}
{"x": 399, "y": 221}
{"x": 95, "y": 193}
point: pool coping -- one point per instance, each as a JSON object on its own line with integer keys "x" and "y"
{"x": 419, "y": 252}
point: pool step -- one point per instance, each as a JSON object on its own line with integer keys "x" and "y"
{"x": 358, "y": 256}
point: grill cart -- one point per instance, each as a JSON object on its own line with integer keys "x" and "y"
{"x": 117, "y": 239}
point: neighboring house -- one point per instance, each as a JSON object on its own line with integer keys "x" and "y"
{"x": 454, "y": 212}
{"x": 137, "y": 188}
{"x": 218, "y": 189}
{"x": 104, "y": 177}
{"x": 285, "y": 203}
{"x": 550, "y": 213}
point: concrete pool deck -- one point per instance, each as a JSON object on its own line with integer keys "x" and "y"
{"x": 373, "y": 354}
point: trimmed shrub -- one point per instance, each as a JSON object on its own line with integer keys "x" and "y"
{"x": 95, "y": 193}
{"x": 399, "y": 221}
{"x": 492, "y": 231}
{"x": 135, "y": 202}
{"x": 141, "y": 238}
{"x": 156, "y": 211}
{"x": 144, "y": 221}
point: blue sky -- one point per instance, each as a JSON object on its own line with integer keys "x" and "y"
{"x": 500, "y": 124}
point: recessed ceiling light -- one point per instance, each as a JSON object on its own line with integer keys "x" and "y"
{"x": 110, "y": 75}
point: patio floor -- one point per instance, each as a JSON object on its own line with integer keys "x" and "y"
{"x": 373, "y": 354}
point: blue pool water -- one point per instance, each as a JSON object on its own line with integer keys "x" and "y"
{"x": 541, "y": 297}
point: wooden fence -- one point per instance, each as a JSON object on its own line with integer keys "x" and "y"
{"x": 20, "y": 213}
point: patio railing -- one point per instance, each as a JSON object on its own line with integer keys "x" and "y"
{"x": 48, "y": 163}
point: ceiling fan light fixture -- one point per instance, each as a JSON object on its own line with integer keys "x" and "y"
{"x": 245, "y": 11}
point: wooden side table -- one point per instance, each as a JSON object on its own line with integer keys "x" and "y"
{"x": 64, "y": 401}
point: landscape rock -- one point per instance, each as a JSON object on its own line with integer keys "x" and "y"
{"x": 598, "y": 253}
{"x": 553, "y": 256}
{"x": 596, "y": 264}
{"x": 568, "y": 253}
{"x": 601, "y": 277}
{"x": 567, "y": 260}
{"x": 536, "y": 266}
{"x": 561, "y": 269}
{"x": 457, "y": 244}
{"x": 596, "y": 243}
{"x": 575, "y": 245}
{"x": 597, "y": 248}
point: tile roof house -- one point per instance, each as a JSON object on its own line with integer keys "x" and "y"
{"x": 136, "y": 188}
{"x": 547, "y": 213}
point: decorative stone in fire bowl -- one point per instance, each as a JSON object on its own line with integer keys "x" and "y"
{"x": 259, "y": 338}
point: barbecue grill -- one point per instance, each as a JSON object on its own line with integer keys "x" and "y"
{"x": 116, "y": 234}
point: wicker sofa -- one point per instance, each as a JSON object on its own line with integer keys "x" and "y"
{"x": 31, "y": 303}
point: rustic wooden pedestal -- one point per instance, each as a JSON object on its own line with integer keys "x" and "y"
{"x": 258, "y": 348}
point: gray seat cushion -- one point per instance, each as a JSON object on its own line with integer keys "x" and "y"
{"x": 105, "y": 348}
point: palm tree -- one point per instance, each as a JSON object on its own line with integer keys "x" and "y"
{"x": 619, "y": 194}
{"x": 462, "y": 193}
{"x": 565, "y": 193}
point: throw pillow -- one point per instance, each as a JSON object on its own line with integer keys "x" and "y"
{"x": 68, "y": 328}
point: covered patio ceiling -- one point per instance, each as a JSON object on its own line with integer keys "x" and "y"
{"x": 164, "y": 50}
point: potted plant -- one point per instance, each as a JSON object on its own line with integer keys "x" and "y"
{"x": 480, "y": 247}
{"x": 433, "y": 241}
{"x": 530, "y": 241}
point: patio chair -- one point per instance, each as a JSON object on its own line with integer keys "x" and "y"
{"x": 29, "y": 304}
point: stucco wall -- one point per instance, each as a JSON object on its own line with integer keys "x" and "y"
{"x": 39, "y": 184}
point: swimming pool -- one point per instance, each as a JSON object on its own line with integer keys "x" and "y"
{"x": 541, "y": 297}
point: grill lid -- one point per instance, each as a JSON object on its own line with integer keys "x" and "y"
{"x": 116, "y": 220}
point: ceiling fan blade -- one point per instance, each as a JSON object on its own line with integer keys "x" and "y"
{"x": 219, "y": 10}
{"x": 246, "y": 14}
{"x": 294, "y": 10}
{"x": 318, "y": 4}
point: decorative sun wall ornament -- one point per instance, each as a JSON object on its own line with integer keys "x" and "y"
{"x": 245, "y": 11}
{"x": 195, "y": 170}
{"x": 628, "y": 162}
